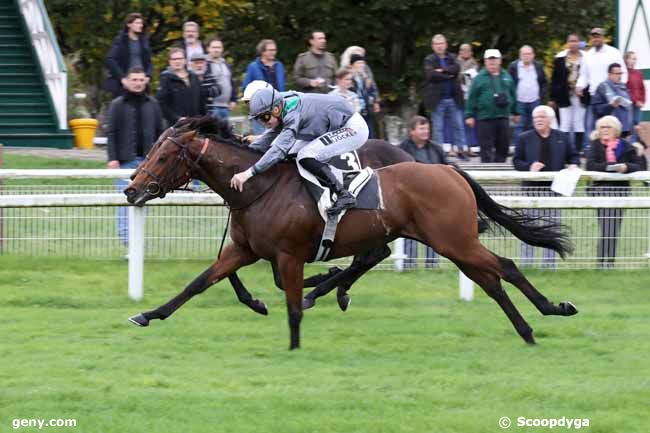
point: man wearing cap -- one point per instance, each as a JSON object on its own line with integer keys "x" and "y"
{"x": 593, "y": 70}
{"x": 490, "y": 103}
{"x": 209, "y": 87}
{"x": 443, "y": 96}
{"x": 315, "y": 127}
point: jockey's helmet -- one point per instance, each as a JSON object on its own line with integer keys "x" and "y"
{"x": 263, "y": 101}
{"x": 253, "y": 87}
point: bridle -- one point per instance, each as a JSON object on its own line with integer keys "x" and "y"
{"x": 161, "y": 185}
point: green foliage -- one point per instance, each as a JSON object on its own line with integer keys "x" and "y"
{"x": 407, "y": 356}
{"x": 396, "y": 34}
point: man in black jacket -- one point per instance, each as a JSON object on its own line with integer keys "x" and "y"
{"x": 134, "y": 124}
{"x": 531, "y": 85}
{"x": 422, "y": 149}
{"x": 443, "y": 96}
{"x": 130, "y": 49}
{"x": 543, "y": 149}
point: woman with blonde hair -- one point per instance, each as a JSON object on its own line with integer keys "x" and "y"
{"x": 609, "y": 152}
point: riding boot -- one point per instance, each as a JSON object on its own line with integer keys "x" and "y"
{"x": 344, "y": 199}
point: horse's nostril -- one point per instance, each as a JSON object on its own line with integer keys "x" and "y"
{"x": 129, "y": 192}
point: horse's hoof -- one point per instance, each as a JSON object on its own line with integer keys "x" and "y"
{"x": 568, "y": 309}
{"x": 259, "y": 307}
{"x": 527, "y": 335}
{"x": 308, "y": 303}
{"x": 344, "y": 302}
{"x": 139, "y": 320}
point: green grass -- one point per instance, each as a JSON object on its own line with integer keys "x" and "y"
{"x": 408, "y": 356}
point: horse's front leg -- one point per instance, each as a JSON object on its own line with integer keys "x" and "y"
{"x": 232, "y": 258}
{"x": 291, "y": 271}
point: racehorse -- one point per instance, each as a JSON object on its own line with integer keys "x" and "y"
{"x": 276, "y": 219}
{"x": 374, "y": 154}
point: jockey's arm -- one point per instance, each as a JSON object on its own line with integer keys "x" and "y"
{"x": 263, "y": 142}
{"x": 277, "y": 152}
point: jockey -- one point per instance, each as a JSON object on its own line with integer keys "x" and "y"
{"x": 315, "y": 127}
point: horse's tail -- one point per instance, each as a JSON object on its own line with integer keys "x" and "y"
{"x": 534, "y": 231}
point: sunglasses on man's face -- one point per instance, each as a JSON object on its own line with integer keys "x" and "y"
{"x": 264, "y": 117}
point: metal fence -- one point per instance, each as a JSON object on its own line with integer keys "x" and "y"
{"x": 194, "y": 232}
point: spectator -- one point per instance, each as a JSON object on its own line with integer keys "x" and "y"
{"x": 134, "y": 124}
{"x": 266, "y": 67}
{"x": 345, "y": 63}
{"x": 566, "y": 68}
{"x": 209, "y": 87}
{"x": 635, "y": 86}
{"x": 611, "y": 97}
{"x": 608, "y": 152}
{"x": 365, "y": 90}
{"x": 420, "y": 146}
{"x": 130, "y": 50}
{"x": 342, "y": 89}
{"x": 543, "y": 149}
{"x": 469, "y": 68}
{"x": 531, "y": 83}
{"x": 491, "y": 100}
{"x": 442, "y": 93}
{"x": 594, "y": 68}
{"x": 179, "y": 93}
{"x": 226, "y": 100}
{"x": 315, "y": 69}
{"x": 191, "y": 42}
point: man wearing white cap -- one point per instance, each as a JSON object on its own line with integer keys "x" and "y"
{"x": 490, "y": 104}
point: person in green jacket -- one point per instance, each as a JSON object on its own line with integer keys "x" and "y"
{"x": 490, "y": 104}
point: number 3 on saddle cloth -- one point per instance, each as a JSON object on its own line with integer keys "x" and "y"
{"x": 362, "y": 183}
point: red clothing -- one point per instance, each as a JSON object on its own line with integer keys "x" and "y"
{"x": 635, "y": 85}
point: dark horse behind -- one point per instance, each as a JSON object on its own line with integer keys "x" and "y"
{"x": 274, "y": 218}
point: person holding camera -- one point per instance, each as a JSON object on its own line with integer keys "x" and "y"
{"x": 490, "y": 105}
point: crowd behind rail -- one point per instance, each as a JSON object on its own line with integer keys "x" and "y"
{"x": 596, "y": 93}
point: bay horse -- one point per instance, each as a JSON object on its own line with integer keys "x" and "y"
{"x": 276, "y": 219}
{"x": 375, "y": 154}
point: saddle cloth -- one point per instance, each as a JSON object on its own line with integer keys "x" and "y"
{"x": 362, "y": 183}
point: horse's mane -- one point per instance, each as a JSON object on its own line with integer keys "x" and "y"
{"x": 212, "y": 127}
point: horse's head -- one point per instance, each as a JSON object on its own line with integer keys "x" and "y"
{"x": 169, "y": 165}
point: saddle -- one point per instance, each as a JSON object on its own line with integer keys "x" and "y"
{"x": 362, "y": 183}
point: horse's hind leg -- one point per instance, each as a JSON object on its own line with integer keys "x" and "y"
{"x": 361, "y": 264}
{"x": 514, "y": 276}
{"x": 491, "y": 284}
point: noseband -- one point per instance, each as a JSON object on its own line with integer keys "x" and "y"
{"x": 160, "y": 186}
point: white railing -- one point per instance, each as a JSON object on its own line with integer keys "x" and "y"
{"x": 49, "y": 55}
{"x": 136, "y": 215}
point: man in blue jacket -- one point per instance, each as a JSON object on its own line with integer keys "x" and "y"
{"x": 265, "y": 68}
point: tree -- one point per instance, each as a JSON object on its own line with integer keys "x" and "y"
{"x": 396, "y": 34}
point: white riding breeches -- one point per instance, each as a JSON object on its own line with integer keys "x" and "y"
{"x": 349, "y": 138}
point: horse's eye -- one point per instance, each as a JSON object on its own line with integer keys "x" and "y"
{"x": 162, "y": 159}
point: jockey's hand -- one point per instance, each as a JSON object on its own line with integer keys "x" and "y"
{"x": 238, "y": 180}
{"x": 250, "y": 138}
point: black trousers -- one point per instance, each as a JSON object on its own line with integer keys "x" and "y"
{"x": 494, "y": 139}
{"x": 609, "y": 221}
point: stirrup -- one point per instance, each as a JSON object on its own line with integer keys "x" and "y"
{"x": 344, "y": 200}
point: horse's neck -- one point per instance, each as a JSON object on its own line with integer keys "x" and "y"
{"x": 222, "y": 162}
